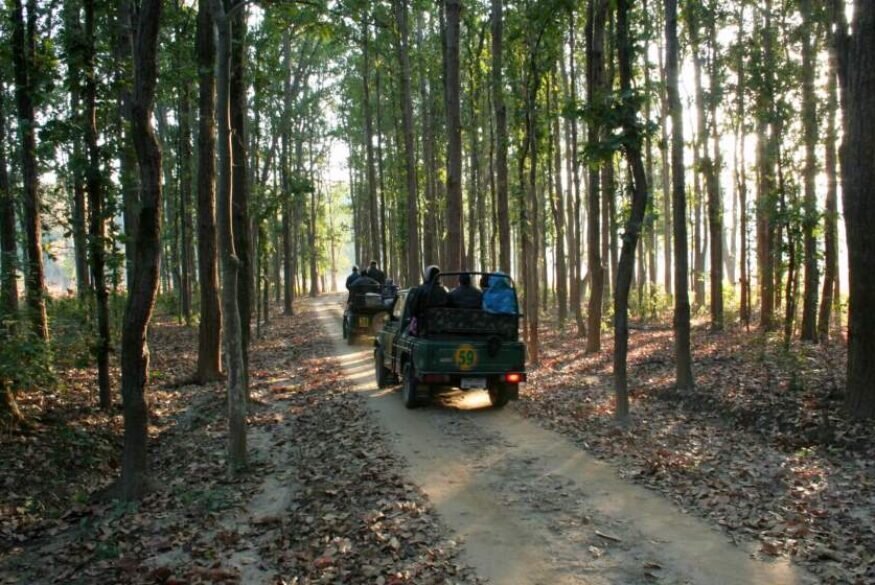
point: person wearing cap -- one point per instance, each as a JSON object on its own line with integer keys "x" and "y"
{"x": 354, "y": 275}
{"x": 465, "y": 295}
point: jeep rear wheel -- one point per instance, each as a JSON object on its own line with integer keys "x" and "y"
{"x": 499, "y": 395}
{"x": 410, "y": 387}
{"x": 381, "y": 372}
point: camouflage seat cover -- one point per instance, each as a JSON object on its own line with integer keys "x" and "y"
{"x": 469, "y": 322}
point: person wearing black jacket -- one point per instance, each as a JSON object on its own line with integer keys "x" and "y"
{"x": 465, "y": 296}
{"x": 374, "y": 272}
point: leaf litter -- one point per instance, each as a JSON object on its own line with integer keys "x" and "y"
{"x": 760, "y": 448}
{"x": 323, "y": 501}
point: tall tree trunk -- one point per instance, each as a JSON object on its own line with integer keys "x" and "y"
{"x": 501, "y": 137}
{"x": 741, "y": 174}
{"x": 147, "y": 258}
{"x": 186, "y": 254}
{"x": 373, "y": 219}
{"x": 23, "y": 42}
{"x": 632, "y": 148}
{"x": 856, "y": 55}
{"x": 454, "y": 246}
{"x": 8, "y": 253}
{"x": 766, "y": 143}
{"x": 209, "y": 356}
{"x": 557, "y": 206}
{"x": 128, "y": 173}
{"x": 574, "y": 220}
{"x": 665, "y": 116}
{"x": 831, "y": 236}
{"x": 810, "y": 217}
{"x": 595, "y": 30}
{"x": 97, "y": 224}
{"x": 73, "y": 46}
{"x": 238, "y": 104}
{"x": 683, "y": 355}
{"x": 412, "y": 217}
{"x": 234, "y": 349}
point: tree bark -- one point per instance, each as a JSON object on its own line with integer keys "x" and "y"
{"x": 412, "y": 225}
{"x": 209, "y": 357}
{"x": 230, "y": 262}
{"x": 238, "y": 105}
{"x": 741, "y": 175}
{"x": 8, "y": 253}
{"x": 683, "y": 356}
{"x": 97, "y": 223}
{"x": 558, "y": 208}
{"x": 856, "y": 56}
{"x": 501, "y": 137}
{"x": 147, "y": 249}
{"x": 632, "y": 148}
{"x": 454, "y": 255}
{"x": 186, "y": 253}
{"x": 373, "y": 212}
{"x": 831, "y": 238}
{"x": 23, "y": 42}
{"x": 810, "y": 215}
{"x": 595, "y": 29}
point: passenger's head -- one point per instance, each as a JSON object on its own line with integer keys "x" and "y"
{"x": 465, "y": 279}
{"x": 430, "y": 273}
{"x": 373, "y": 263}
{"x": 355, "y": 268}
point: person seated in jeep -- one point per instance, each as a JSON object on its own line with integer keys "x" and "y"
{"x": 465, "y": 295}
{"x": 430, "y": 294}
{"x": 353, "y": 276}
{"x": 499, "y": 297}
{"x": 361, "y": 284}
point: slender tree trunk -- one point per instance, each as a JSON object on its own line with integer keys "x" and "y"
{"x": 186, "y": 255}
{"x": 23, "y": 42}
{"x": 454, "y": 247}
{"x": 632, "y": 148}
{"x": 238, "y": 105}
{"x": 501, "y": 138}
{"x": 8, "y": 253}
{"x": 234, "y": 349}
{"x": 595, "y": 29}
{"x": 373, "y": 219}
{"x": 557, "y": 207}
{"x": 209, "y": 357}
{"x": 741, "y": 174}
{"x": 97, "y": 224}
{"x": 665, "y": 116}
{"x": 128, "y": 174}
{"x": 412, "y": 224}
{"x": 73, "y": 46}
{"x": 856, "y": 55}
{"x": 147, "y": 259}
{"x": 810, "y": 217}
{"x": 831, "y": 237}
{"x": 766, "y": 143}
{"x": 683, "y": 355}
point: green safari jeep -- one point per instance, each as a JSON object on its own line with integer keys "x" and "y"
{"x": 465, "y": 348}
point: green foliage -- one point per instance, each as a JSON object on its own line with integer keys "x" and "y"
{"x": 25, "y": 359}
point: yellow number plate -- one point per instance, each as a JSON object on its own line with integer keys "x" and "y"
{"x": 465, "y": 357}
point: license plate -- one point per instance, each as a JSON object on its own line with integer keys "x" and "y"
{"x": 473, "y": 383}
{"x": 364, "y": 322}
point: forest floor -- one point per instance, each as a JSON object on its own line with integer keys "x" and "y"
{"x": 323, "y": 501}
{"x": 761, "y": 448}
{"x": 347, "y": 486}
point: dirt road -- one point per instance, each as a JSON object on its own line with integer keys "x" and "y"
{"x": 529, "y": 507}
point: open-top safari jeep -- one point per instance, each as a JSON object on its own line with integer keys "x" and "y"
{"x": 428, "y": 347}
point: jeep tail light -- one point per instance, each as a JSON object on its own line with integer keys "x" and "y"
{"x": 514, "y": 378}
